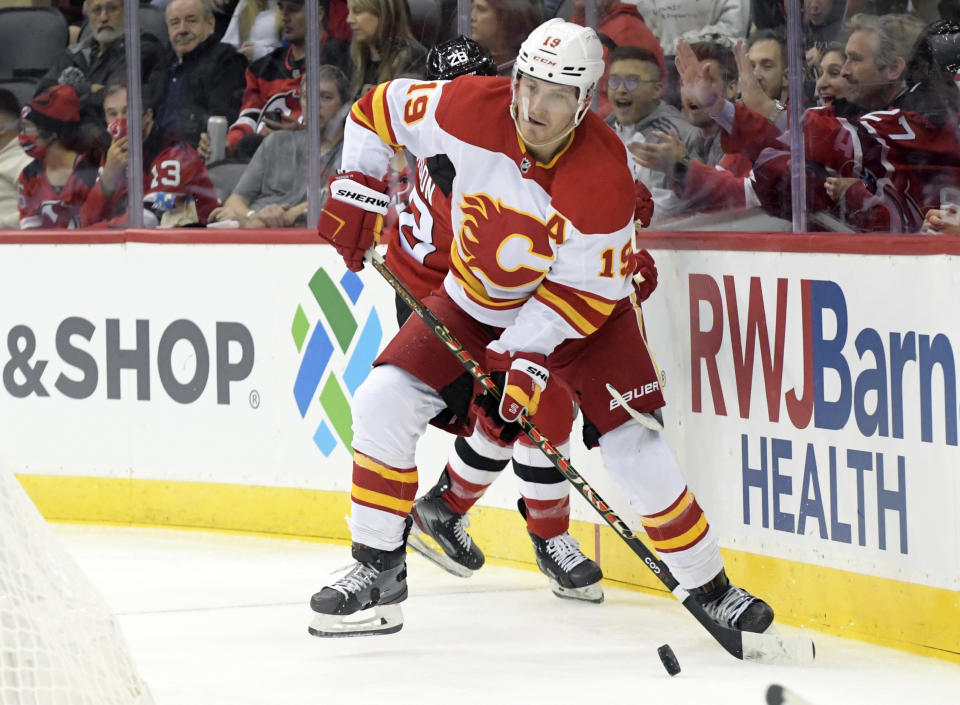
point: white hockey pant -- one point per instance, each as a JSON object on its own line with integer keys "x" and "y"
{"x": 391, "y": 410}
{"x": 646, "y": 471}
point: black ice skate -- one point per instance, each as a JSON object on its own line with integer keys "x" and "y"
{"x": 572, "y": 575}
{"x": 432, "y": 518}
{"x": 732, "y": 606}
{"x": 378, "y": 580}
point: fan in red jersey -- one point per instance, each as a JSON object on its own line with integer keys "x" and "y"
{"x": 540, "y": 286}
{"x": 176, "y": 185}
{"x": 53, "y": 187}
{"x": 271, "y": 99}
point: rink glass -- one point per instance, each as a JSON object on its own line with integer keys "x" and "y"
{"x": 502, "y": 24}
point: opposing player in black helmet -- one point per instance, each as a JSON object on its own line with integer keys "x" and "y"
{"x": 460, "y": 56}
{"x": 418, "y": 253}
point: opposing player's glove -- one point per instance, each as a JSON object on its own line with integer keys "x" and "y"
{"x": 644, "y": 273}
{"x": 487, "y": 413}
{"x": 352, "y": 218}
{"x": 526, "y": 377}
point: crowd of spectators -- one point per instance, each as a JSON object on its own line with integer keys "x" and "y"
{"x": 699, "y": 93}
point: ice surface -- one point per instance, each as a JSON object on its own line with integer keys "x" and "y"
{"x": 222, "y": 619}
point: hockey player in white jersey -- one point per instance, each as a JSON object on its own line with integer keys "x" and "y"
{"x": 418, "y": 253}
{"x": 539, "y": 287}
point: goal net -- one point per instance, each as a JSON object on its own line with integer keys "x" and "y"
{"x": 59, "y": 642}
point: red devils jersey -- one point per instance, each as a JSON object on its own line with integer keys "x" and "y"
{"x": 177, "y": 169}
{"x": 43, "y": 206}
{"x": 418, "y": 246}
{"x": 901, "y": 159}
{"x": 541, "y": 250}
{"x": 726, "y": 185}
{"x": 273, "y": 83}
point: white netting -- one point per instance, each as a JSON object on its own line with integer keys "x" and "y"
{"x": 59, "y": 642}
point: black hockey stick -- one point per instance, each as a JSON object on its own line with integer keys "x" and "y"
{"x": 764, "y": 648}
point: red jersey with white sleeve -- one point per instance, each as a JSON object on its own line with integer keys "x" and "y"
{"x": 177, "y": 169}
{"x": 43, "y": 206}
{"x": 418, "y": 243}
{"x": 901, "y": 158}
{"x": 532, "y": 252}
{"x": 273, "y": 83}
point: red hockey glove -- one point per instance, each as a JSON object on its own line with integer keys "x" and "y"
{"x": 643, "y": 208}
{"x": 352, "y": 218}
{"x": 645, "y": 273}
{"x": 487, "y": 414}
{"x": 526, "y": 378}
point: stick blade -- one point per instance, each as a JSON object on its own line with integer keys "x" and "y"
{"x": 773, "y": 648}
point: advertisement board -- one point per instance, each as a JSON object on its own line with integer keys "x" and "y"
{"x": 811, "y": 399}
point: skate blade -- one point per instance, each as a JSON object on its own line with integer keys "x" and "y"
{"x": 587, "y": 593}
{"x": 386, "y": 619}
{"x": 433, "y": 553}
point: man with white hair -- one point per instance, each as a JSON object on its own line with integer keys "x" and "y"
{"x": 540, "y": 287}
{"x": 204, "y": 77}
{"x": 101, "y": 58}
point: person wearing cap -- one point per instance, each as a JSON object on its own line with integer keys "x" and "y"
{"x": 270, "y": 100}
{"x": 53, "y": 187}
{"x": 12, "y": 159}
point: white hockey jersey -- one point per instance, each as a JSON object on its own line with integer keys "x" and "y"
{"x": 540, "y": 250}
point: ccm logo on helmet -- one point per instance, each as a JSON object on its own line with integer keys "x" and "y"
{"x": 343, "y": 193}
{"x": 543, "y": 60}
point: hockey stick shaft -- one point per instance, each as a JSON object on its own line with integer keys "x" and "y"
{"x": 731, "y": 639}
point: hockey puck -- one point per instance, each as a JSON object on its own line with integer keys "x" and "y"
{"x": 669, "y": 659}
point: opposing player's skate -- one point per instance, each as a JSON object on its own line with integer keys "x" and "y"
{"x": 732, "y": 606}
{"x": 432, "y": 518}
{"x": 572, "y": 575}
{"x": 377, "y": 581}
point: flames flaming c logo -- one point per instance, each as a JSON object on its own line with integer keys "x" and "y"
{"x": 507, "y": 248}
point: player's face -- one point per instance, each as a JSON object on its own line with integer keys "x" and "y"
{"x": 115, "y": 106}
{"x": 293, "y": 21}
{"x": 634, "y": 89}
{"x": 106, "y": 19}
{"x": 545, "y": 110}
{"x": 767, "y": 62}
{"x": 867, "y": 84}
{"x": 484, "y": 23}
{"x": 701, "y": 118}
{"x": 816, "y": 11}
{"x": 831, "y": 84}
{"x": 187, "y": 26}
{"x": 363, "y": 23}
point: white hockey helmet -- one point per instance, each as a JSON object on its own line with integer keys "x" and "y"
{"x": 565, "y": 53}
